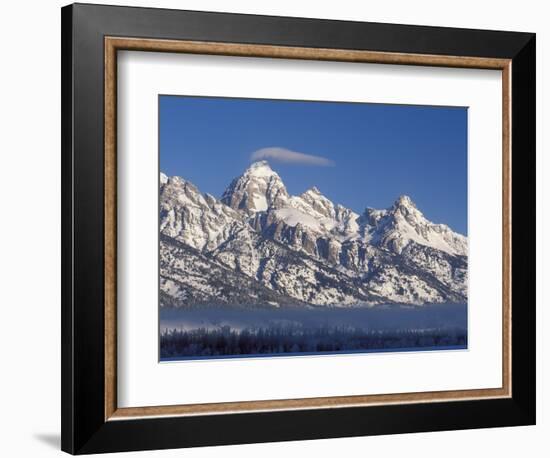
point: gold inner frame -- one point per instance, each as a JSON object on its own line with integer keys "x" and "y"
{"x": 114, "y": 44}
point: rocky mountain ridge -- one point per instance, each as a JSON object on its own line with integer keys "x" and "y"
{"x": 260, "y": 246}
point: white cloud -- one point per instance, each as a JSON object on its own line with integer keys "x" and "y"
{"x": 290, "y": 157}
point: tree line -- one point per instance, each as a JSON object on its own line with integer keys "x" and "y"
{"x": 225, "y": 341}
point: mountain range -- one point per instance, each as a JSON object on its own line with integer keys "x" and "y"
{"x": 259, "y": 246}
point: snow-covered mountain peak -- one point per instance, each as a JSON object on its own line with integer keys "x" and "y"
{"x": 313, "y": 203}
{"x": 403, "y": 223}
{"x": 199, "y": 220}
{"x": 406, "y": 205}
{"x": 405, "y": 210}
{"x": 260, "y": 169}
{"x": 256, "y": 190}
{"x": 405, "y": 201}
{"x": 318, "y": 213}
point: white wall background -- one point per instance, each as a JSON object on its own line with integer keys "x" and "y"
{"x": 30, "y": 226}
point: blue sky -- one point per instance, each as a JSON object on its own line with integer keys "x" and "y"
{"x": 373, "y": 152}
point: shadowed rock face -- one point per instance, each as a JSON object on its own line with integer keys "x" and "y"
{"x": 302, "y": 250}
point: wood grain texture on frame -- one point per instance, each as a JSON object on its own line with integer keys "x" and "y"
{"x": 112, "y": 45}
{"x": 110, "y": 199}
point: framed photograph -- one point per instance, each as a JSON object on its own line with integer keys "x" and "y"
{"x": 280, "y": 228}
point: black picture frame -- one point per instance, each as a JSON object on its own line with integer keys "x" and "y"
{"x": 84, "y": 428}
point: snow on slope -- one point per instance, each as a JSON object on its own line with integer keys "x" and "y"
{"x": 293, "y": 217}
